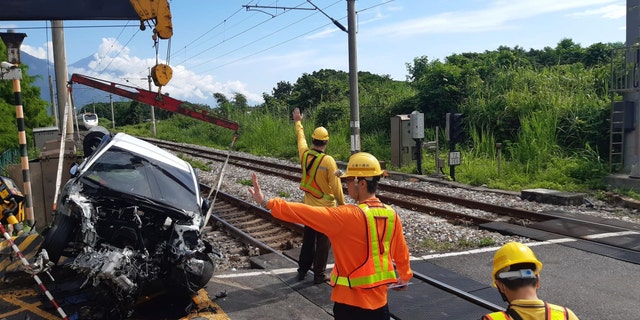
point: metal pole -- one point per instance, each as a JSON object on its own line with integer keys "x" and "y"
{"x": 499, "y": 147}
{"x": 419, "y": 155}
{"x": 353, "y": 78}
{"x": 54, "y": 107}
{"x": 113, "y": 118}
{"x": 24, "y": 156}
{"x": 452, "y": 148}
{"x": 60, "y": 66}
{"x": 437, "y": 150}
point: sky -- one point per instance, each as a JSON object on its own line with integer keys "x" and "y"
{"x": 248, "y": 46}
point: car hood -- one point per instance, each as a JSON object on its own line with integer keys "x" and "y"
{"x": 136, "y": 169}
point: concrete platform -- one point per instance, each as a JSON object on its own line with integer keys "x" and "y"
{"x": 622, "y": 181}
{"x": 553, "y": 197}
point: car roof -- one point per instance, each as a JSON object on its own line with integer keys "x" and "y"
{"x": 146, "y": 149}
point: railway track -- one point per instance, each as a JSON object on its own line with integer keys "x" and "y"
{"x": 623, "y": 242}
{"x": 244, "y": 230}
{"x": 255, "y": 228}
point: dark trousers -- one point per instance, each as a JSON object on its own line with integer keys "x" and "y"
{"x": 314, "y": 251}
{"x": 346, "y": 312}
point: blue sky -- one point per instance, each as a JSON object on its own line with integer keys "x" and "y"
{"x": 221, "y": 46}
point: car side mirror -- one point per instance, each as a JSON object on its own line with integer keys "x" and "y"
{"x": 74, "y": 170}
{"x": 206, "y": 204}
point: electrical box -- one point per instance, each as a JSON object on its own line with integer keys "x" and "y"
{"x": 42, "y": 135}
{"x": 402, "y": 143}
{"x": 417, "y": 125}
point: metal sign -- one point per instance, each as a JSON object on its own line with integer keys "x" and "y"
{"x": 10, "y": 74}
{"x": 454, "y": 158}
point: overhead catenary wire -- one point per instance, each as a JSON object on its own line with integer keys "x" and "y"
{"x": 115, "y": 40}
{"x": 261, "y": 39}
{"x": 117, "y": 54}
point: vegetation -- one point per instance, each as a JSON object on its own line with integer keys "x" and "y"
{"x": 547, "y": 109}
{"x": 34, "y": 108}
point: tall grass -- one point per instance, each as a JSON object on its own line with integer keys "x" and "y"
{"x": 536, "y": 141}
{"x": 548, "y": 123}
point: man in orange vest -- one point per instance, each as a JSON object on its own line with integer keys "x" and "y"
{"x": 368, "y": 243}
{"x": 322, "y": 188}
{"x": 516, "y": 274}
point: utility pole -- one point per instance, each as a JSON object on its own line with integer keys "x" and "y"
{"x": 153, "y": 109}
{"x": 354, "y": 103}
{"x": 113, "y": 118}
{"x": 60, "y": 66}
{"x": 54, "y": 108}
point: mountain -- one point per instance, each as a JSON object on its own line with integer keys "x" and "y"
{"x": 41, "y": 68}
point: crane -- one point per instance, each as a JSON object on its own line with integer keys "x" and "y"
{"x": 153, "y": 98}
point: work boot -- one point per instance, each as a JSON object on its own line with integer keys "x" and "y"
{"x": 320, "y": 279}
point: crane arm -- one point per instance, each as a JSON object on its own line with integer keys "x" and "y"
{"x": 158, "y": 10}
{"x": 152, "y": 98}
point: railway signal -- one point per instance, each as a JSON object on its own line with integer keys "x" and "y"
{"x": 454, "y": 127}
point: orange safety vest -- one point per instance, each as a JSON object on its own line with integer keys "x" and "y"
{"x": 309, "y": 171}
{"x": 554, "y": 312}
{"x": 378, "y": 268}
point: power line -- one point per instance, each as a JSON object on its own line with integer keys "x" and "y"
{"x": 117, "y": 54}
{"x": 265, "y": 37}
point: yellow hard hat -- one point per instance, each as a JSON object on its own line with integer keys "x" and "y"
{"x": 363, "y": 164}
{"x": 513, "y": 253}
{"x": 320, "y": 133}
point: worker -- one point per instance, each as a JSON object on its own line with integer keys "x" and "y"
{"x": 516, "y": 274}
{"x": 322, "y": 188}
{"x": 367, "y": 241}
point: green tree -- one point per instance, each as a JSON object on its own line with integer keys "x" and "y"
{"x": 224, "y": 105}
{"x": 240, "y": 102}
{"x": 321, "y": 86}
{"x": 34, "y": 108}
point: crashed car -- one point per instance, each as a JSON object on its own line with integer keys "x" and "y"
{"x": 131, "y": 216}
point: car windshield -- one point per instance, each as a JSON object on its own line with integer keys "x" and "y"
{"x": 128, "y": 172}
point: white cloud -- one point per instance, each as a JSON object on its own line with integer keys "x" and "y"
{"x": 494, "y": 17}
{"x": 323, "y": 34}
{"x": 112, "y": 62}
{"x": 613, "y": 11}
{"x": 45, "y": 52}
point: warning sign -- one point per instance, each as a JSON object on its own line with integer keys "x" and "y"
{"x": 454, "y": 158}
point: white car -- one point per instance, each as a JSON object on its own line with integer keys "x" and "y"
{"x": 129, "y": 218}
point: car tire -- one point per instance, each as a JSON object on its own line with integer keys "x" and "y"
{"x": 58, "y": 236}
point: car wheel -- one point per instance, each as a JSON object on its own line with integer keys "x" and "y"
{"x": 58, "y": 236}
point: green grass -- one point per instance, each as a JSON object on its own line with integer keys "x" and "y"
{"x": 534, "y": 160}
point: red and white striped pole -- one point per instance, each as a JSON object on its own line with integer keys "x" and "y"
{"x": 26, "y": 263}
